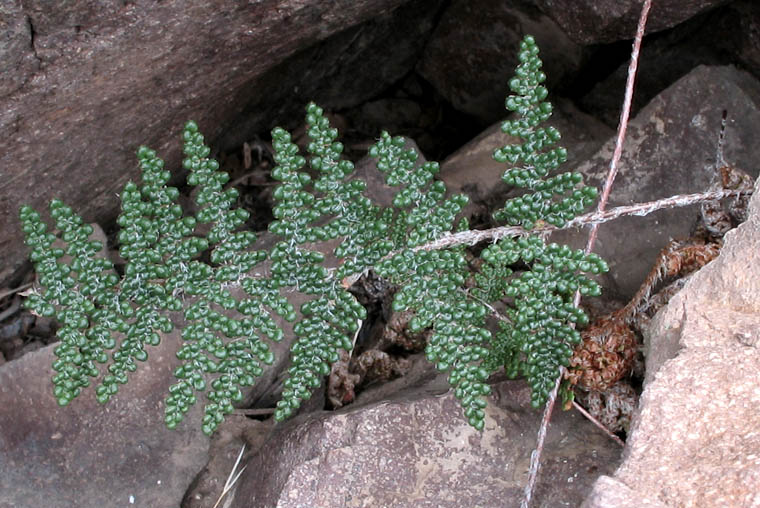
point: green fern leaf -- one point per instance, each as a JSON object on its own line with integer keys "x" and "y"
{"x": 536, "y": 154}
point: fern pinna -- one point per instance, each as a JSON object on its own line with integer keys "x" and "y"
{"x": 206, "y": 267}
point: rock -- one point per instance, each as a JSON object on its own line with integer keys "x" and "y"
{"x": 236, "y": 433}
{"x": 609, "y": 492}
{"x": 417, "y": 450}
{"x": 472, "y": 54}
{"x": 736, "y": 33}
{"x": 670, "y": 149}
{"x": 694, "y": 440}
{"x": 594, "y": 22}
{"x": 340, "y": 72}
{"x": 17, "y": 62}
{"x": 84, "y": 85}
{"x": 720, "y": 37}
{"x": 90, "y": 455}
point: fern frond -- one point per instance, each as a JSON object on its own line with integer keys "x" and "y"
{"x": 431, "y": 282}
{"x": 79, "y": 293}
{"x": 431, "y": 285}
{"x": 536, "y": 154}
{"x": 225, "y": 331}
{"x": 329, "y": 232}
{"x": 539, "y": 335}
{"x": 332, "y": 318}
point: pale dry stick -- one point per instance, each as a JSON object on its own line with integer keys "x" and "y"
{"x": 642, "y": 209}
{"x": 19, "y": 289}
{"x": 473, "y": 237}
{"x": 535, "y": 457}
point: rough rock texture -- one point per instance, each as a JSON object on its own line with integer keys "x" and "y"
{"x": 599, "y": 21}
{"x": 670, "y": 149}
{"x": 695, "y": 441}
{"x": 83, "y": 85}
{"x": 89, "y": 455}
{"x": 340, "y": 72}
{"x": 737, "y": 33}
{"x": 417, "y": 450}
{"x": 473, "y": 53}
{"x": 728, "y": 35}
{"x": 236, "y": 433}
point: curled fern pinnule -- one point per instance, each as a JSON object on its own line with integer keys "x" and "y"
{"x": 292, "y": 210}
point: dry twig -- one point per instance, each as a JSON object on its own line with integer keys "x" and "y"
{"x": 598, "y": 424}
{"x": 19, "y": 289}
{"x": 473, "y": 237}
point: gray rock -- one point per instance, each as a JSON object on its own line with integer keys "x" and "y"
{"x": 417, "y": 450}
{"x": 670, "y": 149}
{"x": 720, "y": 37}
{"x": 609, "y": 492}
{"x": 472, "y": 54}
{"x": 340, "y": 72}
{"x": 89, "y": 455}
{"x": 736, "y": 33}
{"x": 85, "y": 84}
{"x": 695, "y": 441}
{"x": 600, "y": 21}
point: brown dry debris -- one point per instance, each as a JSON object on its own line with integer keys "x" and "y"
{"x": 605, "y": 355}
{"x": 608, "y": 348}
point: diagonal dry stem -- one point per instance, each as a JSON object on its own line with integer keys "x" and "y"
{"x": 535, "y": 458}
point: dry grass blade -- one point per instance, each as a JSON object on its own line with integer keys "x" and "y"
{"x": 230, "y": 480}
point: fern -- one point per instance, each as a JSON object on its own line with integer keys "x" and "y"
{"x": 538, "y": 159}
{"x": 230, "y": 305}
